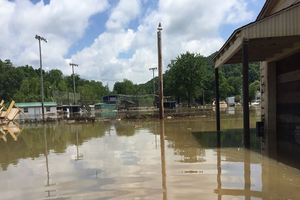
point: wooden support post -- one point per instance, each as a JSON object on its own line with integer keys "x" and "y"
{"x": 246, "y": 94}
{"x": 160, "y": 75}
{"x": 217, "y": 99}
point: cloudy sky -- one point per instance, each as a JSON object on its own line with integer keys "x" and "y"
{"x": 115, "y": 39}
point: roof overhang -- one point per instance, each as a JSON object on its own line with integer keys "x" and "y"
{"x": 269, "y": 39}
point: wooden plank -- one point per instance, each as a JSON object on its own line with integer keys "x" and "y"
{"x": 289, "y": 109}
{"x": 9, "y": 109}
{"x": 289, "y": 77}
{"x": 287, "y": 118}
{"x": 20, "y": 110}
{"x": 12, "y": 114}
{"x": 2, "y": 105}
{"x": 293, "y": 97}
{"x": 288, "y": 64}
{"x": 288, "y": 87}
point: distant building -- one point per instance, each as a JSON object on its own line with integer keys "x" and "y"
{"x": 35, "y": 108}
{"x": 110, "y": 99}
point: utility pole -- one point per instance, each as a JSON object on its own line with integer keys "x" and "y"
{"x": 203, "y": 99}
{"x": 72, "y": 64}
{"x": 153, "y": 68}
{"x": 160, "y": 75}
{"x": 39, "y": 38}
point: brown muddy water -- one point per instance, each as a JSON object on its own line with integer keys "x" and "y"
{"x": 171, "y": 159}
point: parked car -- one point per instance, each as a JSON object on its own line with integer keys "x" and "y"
{"x": 255, "y": 103}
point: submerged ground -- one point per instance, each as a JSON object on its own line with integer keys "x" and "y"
{"x": 143, "y": 159}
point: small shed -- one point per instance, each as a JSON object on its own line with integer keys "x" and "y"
{"x": 35, "y": 108}
{"x": 169, "y": 104}
{"x": 110, "y": 99}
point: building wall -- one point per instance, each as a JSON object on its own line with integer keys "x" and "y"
{"x": 38, "y": 110}
{"x": 288, "y": 97}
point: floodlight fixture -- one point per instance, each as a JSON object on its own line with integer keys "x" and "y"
{"x": 159, "y": 27}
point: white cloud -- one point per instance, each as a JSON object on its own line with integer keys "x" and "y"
{"x": 187, "y": 26}
{"x": 62, "y": 22}
{"x": 123, "y": 13}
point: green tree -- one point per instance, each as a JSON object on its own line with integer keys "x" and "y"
{"x": 236, "y": 84}
{"x": 126, "y": 87}
{"x": 187, "y": 74}
{"x": 253, "y": 88}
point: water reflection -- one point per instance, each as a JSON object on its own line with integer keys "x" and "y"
{"x": 47, "y": 165}
{"x": 171, "y": 159}
{"x": 78, "y": 156}
{"x": 12, "y": 128}
{"x": 163, "y": 160}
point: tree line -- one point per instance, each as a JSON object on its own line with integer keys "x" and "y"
{"x": 188, "y": 78}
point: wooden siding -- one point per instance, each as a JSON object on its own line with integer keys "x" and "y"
{"x": 285, "y": 23}
{"x": 282, "y": 4}
{"x": 288, "y": 96}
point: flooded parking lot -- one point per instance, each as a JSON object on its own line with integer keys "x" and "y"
{"x": 177, "y": 158}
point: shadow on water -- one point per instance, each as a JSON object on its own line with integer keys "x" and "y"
{"x": 284, "y": 152}
{"x": 228, "y": 138}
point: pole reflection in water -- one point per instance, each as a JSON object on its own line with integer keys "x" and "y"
{"x": 78, "y": 157}
{"x": 247, "y": 193}
{"x": 163, "y": 159}
{"x": 247, "y": 174}
{"x": 47, "y": 164}
{"x": 219, "y": 164}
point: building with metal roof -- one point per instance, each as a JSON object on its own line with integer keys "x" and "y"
{"x": 35, "y": 108}
{"x": 274, "y": 41}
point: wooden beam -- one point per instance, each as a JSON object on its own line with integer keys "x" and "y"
{"x": 289, "y": 77}
{"x": 1, "y": 104}
{"x": 293, "y": 97}
{"x": 285, "y": 53}
{"x": 233, "y": 49}
{"x": 246, "y": 95}
{"x": 9, "y": 109}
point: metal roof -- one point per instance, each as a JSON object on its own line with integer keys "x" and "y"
{"x": 35, "y": 104}
{"x": 267, "y": 38}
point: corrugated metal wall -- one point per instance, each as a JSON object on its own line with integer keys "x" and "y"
{"x": 282, "y": 24}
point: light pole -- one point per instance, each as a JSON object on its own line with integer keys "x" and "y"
{"x": 42, "y": 87}
{"x": 72, "y": 64}
{"x": 153, "y": 68}
{"x": 160, "y": 75}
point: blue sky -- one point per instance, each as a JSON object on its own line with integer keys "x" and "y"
{"x": 115, "y": 39}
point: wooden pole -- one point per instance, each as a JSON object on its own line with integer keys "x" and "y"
{"x": 72, "y": 64}
{"x": 154, "y": 68}
{"x": 160, "y": 75}
{"x": 42, "y": 87}
{"x": 246, "y": 95}
{"x": 217, "y": 99}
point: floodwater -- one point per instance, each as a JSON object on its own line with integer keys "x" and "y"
{"x": 170, "y": 159}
